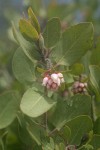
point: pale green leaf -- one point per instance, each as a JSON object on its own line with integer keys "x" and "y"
{"x": 34, "y": 104}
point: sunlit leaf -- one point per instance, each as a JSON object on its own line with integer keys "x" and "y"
{"x": 35, "y": 104}
{"x": 28, "y": 31}
{"x": 33, "y": 19}
{"x": 29, "y": 49}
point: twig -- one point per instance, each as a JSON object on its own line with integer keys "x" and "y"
{"x": 93, "y": 110}
{"x": 46, "y": 122}
{"x": 52, "y": 132}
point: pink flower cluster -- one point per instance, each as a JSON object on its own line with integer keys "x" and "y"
{"x": 53, "y": 81}
{"x": 79, "y": 87}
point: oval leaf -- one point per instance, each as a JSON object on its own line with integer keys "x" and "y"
{"x": 95, "y": 79}
{"x": 65, "y": 132}
{"x": 9, "y": 105}
{"x": 77, "y": 69}
{"x": 28, "y": 48}
{"x": 95, "y": 142}
{"x": 95, "y": 57}
{"x": 68, "y": 110}
{"x": 34, "y": 104}
{"x": 22, "y": 67}
{"x": 52, "y": 32}
{"x": 97, "y": 126}
{"x": 33, "y": 19}
{"x": 28, "y": 31}
{"x": 79, "y": 127}
{"x": 35, "y": 132}
{"x": 75, "y": 42}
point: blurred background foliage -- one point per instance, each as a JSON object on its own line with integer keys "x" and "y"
{"x": 69, "y": 11}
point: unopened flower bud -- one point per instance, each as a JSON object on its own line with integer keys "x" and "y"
{"x": 81, "y": 85}
{"x": 58, "y": 82}
{"x": 60, "y": 75}
{"x": 84, "y": 90}
{"x": 85, "y": 84}
{"x": 80, "y": 89}
{"x": 48, "y": 86}
{"x": 62, "y": 80}
{"x": 76, "y": 84}
{"x": 54, "y": 85}
{"x": 41, "y": 42}
{"x": 45, "y": 80}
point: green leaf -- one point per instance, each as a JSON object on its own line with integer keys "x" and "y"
{"x": 36, "y": 132}
{"x": 52, "y": 32}
{"x": 95, "y": 79}
{"x": 95, "y": 142}
{"x": 34, "y": 104}
{"x": 2, "y": 145}
{"x": 29, "y": 48}
{"x": 50, "y": 145}
{"x": 79, "y": 127}
{"x": 75, "y": 42}
{"x": 28, "y": 31}
{"x": 23, "y": 134}
{"x": 68, "y": 110}
{"x": 65, "y": 133}
{"x": 56, "y": 147}
{"x": 95, "y": 57}
{"x": 22, "y": 67}
{"x": 77, "y": 69}
{"x": 97, "y": 126}
{"x": 61, "y": 146}
{"x": 9, "y": 105}
{"x": 33, "y": 19}
{"x": 87, "y": 147}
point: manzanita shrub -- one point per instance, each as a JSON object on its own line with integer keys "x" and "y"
{"x": 60, "y": 71}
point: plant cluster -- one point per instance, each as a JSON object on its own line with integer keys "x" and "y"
{"x": 60, "y": 71}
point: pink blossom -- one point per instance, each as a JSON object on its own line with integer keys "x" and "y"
{"x": 45, "y": 80}
{"x": 53, "y": 81}
{"x": 54, "y": 77}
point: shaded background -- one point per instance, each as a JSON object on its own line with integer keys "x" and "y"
{"x": 69, "y": 11}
